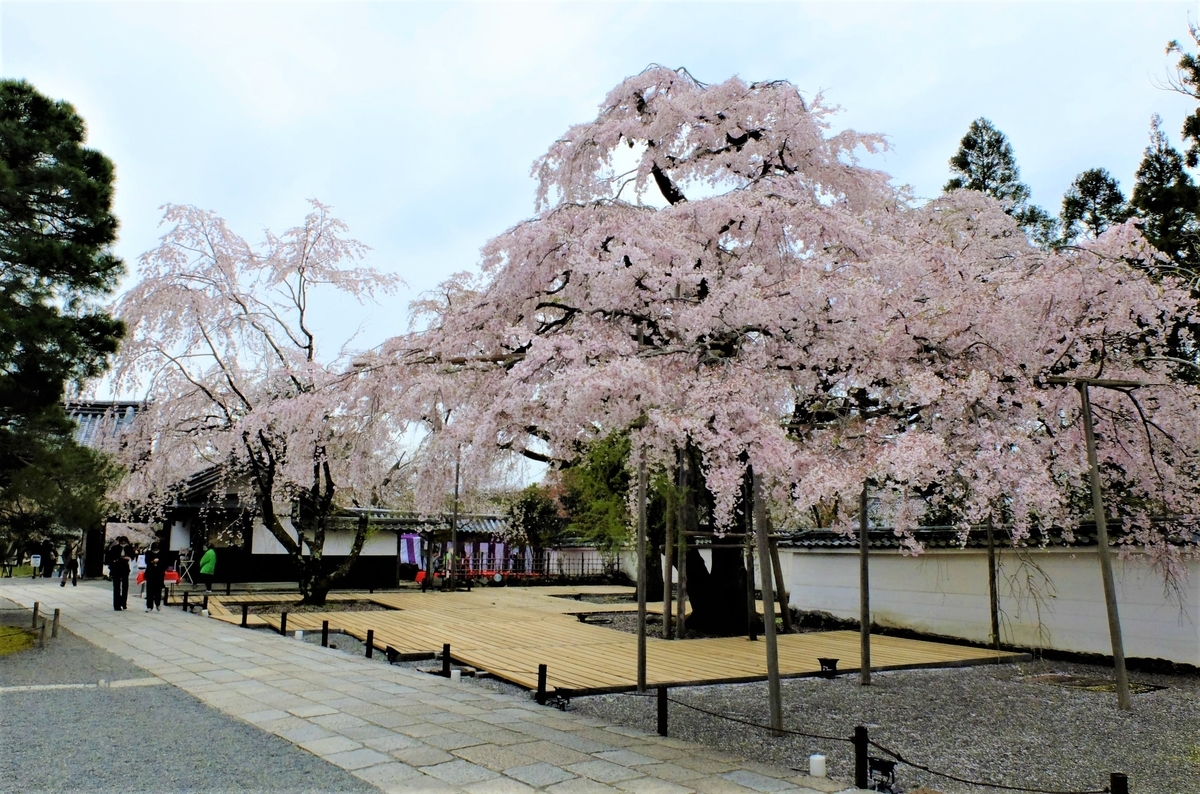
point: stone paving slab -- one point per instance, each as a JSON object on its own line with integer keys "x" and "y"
{"x": 394, "y": 728}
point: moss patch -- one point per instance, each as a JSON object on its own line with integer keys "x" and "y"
{"x": 13, "y": 640}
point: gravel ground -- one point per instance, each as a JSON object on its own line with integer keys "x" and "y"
{"x": 982, "y": 723}
{"x": 144, "y": 739}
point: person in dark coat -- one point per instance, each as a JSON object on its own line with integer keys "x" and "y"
{"x": 156, "y": 571}
{"x": 117, "y": 559}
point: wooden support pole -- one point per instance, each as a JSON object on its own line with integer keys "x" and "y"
{"x": 452, "y": 570}
{"x": 1118, "y": 783}
{"x": 641, "y": 574}
{"x": 751, "y": 612}
{"x": 764, "y": 564}
{"x": 1110, "y": 588}
{"x": 446, "y": 660}
{"x": 864, "y": 591}
{"x": 245, "y": 614}
{"x": 686, "y": 514}
{"x": 668, "y": 565}
{"x": 42, "y": 636}
{"x": 324, "y": 633}
{"x": 54, "y": 630}
{"x": 185, "y": 601}
{"x": 370, "y": 643}
{"x": 37, "y": 605}
{"x": 785, "y": 610}
{"x": 541, "y": 689}
{"x": 993, "y": 597}
{"x": 283, "y": 623}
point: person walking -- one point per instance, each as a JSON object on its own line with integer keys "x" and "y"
{"x": 117, "y": 558}
{"x": 208, "y": 568}
{"x": 70, "y": 566}
{"x": 156, "y": 571}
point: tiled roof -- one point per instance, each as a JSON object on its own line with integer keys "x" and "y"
{"x": 930, "y": 537}
{"x": 94, "y": 419}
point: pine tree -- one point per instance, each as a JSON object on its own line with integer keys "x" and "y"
{"x": 1093, "y": 203}
{"x": 1166, "y": 199}
{"x": 56, "y": 230}
{"x": 985, "y": 162}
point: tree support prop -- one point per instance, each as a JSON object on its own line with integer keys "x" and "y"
{"x": 1110, "y": 588}
{"x": 641, "y": 574}
{"x": 764, "y": 563}
{"x": 864, "y": 591}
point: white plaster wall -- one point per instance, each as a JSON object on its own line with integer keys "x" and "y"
{"x": 947, "y": 593}
{"x": 181, "y": 536}
{"x": 338, "y": 543}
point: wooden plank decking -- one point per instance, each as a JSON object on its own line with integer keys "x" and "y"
{"x": 510, "y": 631}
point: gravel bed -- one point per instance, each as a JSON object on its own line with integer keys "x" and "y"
{"x": 982, "y": 723}
{"x": 989, "y": 723}
{"x": 145, "y": 738}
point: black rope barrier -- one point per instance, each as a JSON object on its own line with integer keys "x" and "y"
{"x": 788, "y": 731}
{"x": 753, "y": 724}
{"x": 901, "y": 759}
{"x": 981, "y": 783}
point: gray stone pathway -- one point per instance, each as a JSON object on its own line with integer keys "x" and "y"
{"x": 399, "y": 730}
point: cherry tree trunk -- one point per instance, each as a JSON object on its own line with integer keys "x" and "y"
{"x": 718, "y": 596}
{"x": 716, "y": 592}
{"x": 314, "y": 583}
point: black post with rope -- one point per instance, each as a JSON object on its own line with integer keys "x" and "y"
{"x": 662, "y": 710}
{"x": 861, "y": 756}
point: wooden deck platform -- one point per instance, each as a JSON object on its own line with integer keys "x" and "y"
{"x": 510, "y": 631}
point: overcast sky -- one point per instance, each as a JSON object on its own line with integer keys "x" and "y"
{"x": 418, "y": 122}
